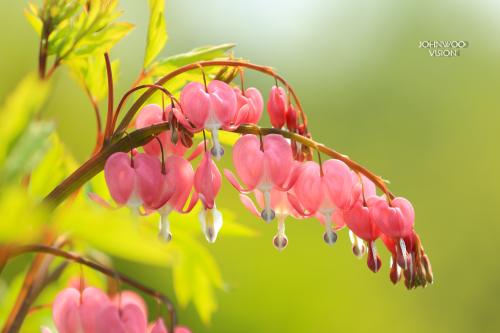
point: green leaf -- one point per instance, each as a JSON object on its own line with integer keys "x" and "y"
{"x": 90, "y": 72}
{"x": 28, "y": 151}
{"x": 52, "y": 169}
{"x": 15, "y": 115}
{"x": 157, "y": 31}
{"x": 196, "y": 275}
{"x": 101, "y": 41}
{"x": 198, "y": 54}
{"x": 115, "y": 232}
{"x": 32, "y": 15}
{"x": 21, "y": 217}
{"x": 9, "y": 296}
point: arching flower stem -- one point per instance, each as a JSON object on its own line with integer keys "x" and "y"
{"x": 142, "y": 136}
{"x": 231, "y": 63}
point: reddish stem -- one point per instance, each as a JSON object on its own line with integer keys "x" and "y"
{"x": 232, "y": 63}
{"x": 109, "y": 116}
{"x": 100, "y": 268}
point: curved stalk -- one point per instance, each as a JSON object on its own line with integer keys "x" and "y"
{"x": 142, "y": 136}
{"x": 232, "y": 63}
{"x": 16, "y": 251}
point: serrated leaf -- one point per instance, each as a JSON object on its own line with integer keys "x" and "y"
{"x": 157, "y": 31}
{"x": 101, "y": 41}
{"x": 27, "y": 151}
{"x": 16, "y": 113}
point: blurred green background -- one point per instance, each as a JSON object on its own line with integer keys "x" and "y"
{"x": 430, "y": 125}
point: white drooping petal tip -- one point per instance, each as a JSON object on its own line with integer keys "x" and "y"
{"x": 164, "y": 229}
{"x": 211, "y": 223}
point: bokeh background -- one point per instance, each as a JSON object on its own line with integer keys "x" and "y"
{"x": 430, "y": 125}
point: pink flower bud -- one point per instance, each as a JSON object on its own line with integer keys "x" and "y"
{"x": 277, "y": 106}
{"x": 207, "y": 181}
{"x": 291, "y": 118}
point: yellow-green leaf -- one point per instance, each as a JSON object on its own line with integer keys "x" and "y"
{"x": 115, "y": 232}
{"x": 15, "y": 115}
{"x": 21, "y": 217}
{"x": 27, "y": 151}
{"x": 208, "y": 52}
{"x": 157, "y": 31}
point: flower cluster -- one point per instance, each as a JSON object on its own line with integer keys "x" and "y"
{"x": 279, "y": 171}
{"x": 89, "y": 310}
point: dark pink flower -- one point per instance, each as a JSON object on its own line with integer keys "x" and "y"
{"x": 277, "y": 106}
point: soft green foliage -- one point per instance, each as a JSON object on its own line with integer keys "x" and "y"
{"x": 77, "y": 33}
{"x": 51, "y": 170}
{"x": 169, "y": 64}
{"x": 22, "y": 219}
{"x": 28, "y": 151}
{"x": 90, "y": 72}
{"x": 157, "y": 33}
{"x": 16, "y": 113}
{"x": 78, "y": 28}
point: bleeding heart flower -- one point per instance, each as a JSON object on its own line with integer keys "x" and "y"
{"x": 75, "y": 312}
{"x": 358, "y": 219}
{"x": 159, "y": 327}
{"x": 132, "y": 182}
{"x": 150, "y": 115}
{"x": 207, "y": 183}
{"x": 173, "y": 191}
{"x": 277, "y": 106}
{"x": 395, "y": 219}
{"x": 212, "y": 108}
{"x": 324, "y": 192}
{"x": 264, "y": 168}
{"x": 129, "y": 297}
{"x": 128, "y": 319}
{"x": 249, "y": 106}
{"x": 280, "y": 205}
